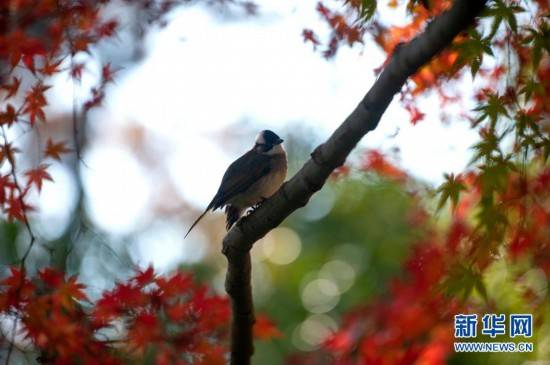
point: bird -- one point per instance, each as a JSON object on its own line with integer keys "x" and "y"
{"x": 251, "y": 179}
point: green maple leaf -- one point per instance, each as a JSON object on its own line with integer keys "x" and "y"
{"x": 502, "y": 12}
{"x": 472, "y": 50}
{"x": 450, "y": 189}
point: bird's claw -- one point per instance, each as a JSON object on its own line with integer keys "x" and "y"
{"x": 256, "y": 206}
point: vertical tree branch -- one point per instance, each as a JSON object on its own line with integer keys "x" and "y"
{"x": 238, "y": 286}
{"x": 294, "y": 194}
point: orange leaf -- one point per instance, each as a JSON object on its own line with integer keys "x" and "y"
{"x": 377, "y": 162}
{"x": 55, "y": 150}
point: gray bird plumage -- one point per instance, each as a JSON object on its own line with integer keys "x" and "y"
{"x": 251, "y": 178}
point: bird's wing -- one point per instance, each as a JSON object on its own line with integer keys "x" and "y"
{"x": 240, "y": 175}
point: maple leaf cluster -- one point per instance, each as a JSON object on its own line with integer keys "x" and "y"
{"x": 39, "y": 40}
{"x": 377, "y": 162}
{"x": 172, "y": 319}
{"x": 169, "y": 320}
{"x": 412, "y": 325}
{"x": 36, "y": 40}
{"x": 342, "y": 31}
{"x": 499, "y": 209}
{"x": 445, "y": 272}
{"x": 164, "y": 319}
{"x": 500, "y": 206}
{"x": 505, "y": 28}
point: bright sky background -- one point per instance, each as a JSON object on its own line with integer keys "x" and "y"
{"x": 201, "y": 76}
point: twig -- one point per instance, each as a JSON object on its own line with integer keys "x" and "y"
{"x": 30, "y": 232}
{"x": 74, "y": 112}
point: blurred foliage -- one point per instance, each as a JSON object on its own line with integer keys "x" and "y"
{"x": 366, "y": 227}
{"x": 366, "y": 272}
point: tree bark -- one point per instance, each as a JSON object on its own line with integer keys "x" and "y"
{"x": 295, "y": 193}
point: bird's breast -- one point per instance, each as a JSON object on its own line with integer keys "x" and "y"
{"x": 265, "y": 187}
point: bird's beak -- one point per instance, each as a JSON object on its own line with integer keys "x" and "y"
{"x": 279, "y": 141}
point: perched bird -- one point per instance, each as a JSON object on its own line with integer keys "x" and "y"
{"x": 251, "y": 179}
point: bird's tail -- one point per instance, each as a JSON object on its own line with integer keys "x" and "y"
{"x": 198, "y": 219}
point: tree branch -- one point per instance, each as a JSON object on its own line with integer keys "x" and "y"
{"x": 295, "y": 193}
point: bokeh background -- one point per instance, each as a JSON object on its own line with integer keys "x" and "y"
{"x": 189, "y": 97}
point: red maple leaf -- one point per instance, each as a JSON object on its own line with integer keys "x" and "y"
{"x": 309, "y": 36}
{"x": 21, "y": 46}
{"x": 51, "y": 277}
{"x": 15, "y": 279}
{"x": 8, "y": 151}
{"x": 265, "y": 329}
{"x": 9, "y": 116}
{"x": 416, "y": 114}
{"x": 16, "y": 208}
{"x": 55, "y": 150}
{"x": 145, "y": 277}
{"x": 376, "y": 161}
{"x": 179, "y": 311}
{"x": 107, "y": 29}
{"x": 28, "y": 60}
{"x": 174, "y": 286}
{"x": 6, "y": 185}
{"x": 340, "y": 341}
{"x": 17, "y": 289}
{"x": 340, "y": 171}
{"x": 51, "y": 67}
{"x": 38, "y": 175}
{"x": 69, "y": 292}
{"x": 35, "y": 101}
{"x": 76, "y": 71}
{"x": 12, "y": 88}
{"x": 108, "y": 73}
{"x": 81, "y": 44}
{"x": 96, "y": 98}
{"x": 145, "y": 329}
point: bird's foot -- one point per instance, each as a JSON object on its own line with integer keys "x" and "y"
{"x": 256, "y": 206}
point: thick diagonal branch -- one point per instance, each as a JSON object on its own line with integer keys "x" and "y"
{"x": 406, "y": 60}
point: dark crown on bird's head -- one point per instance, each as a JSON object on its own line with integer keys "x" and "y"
{"x": 269, "y": 138}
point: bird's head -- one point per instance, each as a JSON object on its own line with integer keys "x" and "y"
{"x": 269, "y": 143}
